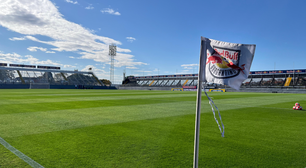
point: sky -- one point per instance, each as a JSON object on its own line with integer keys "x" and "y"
{"x": 152, "y": 37}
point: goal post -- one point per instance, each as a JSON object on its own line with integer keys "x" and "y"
{"x": 39, "y": 86}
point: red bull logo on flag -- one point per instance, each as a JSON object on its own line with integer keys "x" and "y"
{"x": 225, "y": 63}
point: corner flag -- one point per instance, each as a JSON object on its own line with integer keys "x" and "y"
{"x": 223, "y": 63}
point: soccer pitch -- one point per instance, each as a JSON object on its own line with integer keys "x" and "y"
{"x": 123, "y": 128}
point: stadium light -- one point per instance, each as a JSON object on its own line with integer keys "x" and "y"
{"x": 112, "y": 53}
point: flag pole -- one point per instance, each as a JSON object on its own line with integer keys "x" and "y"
{"x": 198, "y": 106}
{"x": 197, "y": 126}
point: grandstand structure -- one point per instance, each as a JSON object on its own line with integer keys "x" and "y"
{"x": 276, "y": 78}
{"x": 14, "y": 74}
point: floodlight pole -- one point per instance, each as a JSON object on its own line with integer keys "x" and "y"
{"x": 112, "y": 53}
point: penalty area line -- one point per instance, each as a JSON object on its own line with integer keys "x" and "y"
{"x": 22, "y": 156}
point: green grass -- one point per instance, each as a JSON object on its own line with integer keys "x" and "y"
{"x": 121, "y": 128}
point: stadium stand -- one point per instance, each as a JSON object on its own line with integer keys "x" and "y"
{"x": 32, "y": 76}
{"x": 262, "y": 79}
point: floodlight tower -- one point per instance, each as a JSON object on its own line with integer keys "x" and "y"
{"x": 112, "y": 53}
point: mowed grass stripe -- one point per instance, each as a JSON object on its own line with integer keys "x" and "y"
{"x": 168, "y": 142}
{"x": 123, "y": 101}
{"x": 26, "y": 94}
{"x": 161, "y": 134}
{"x": 54, "y": 120}
{"x": 84, "y": 94}
{"x": 19, "y": 124}
{"x": 73, "y": 92}
{"x": 90, "y": 97}
{"x": 36, "y": 107}
{"x": 8, "y": 159}
{"x": 132, "y": 144}
{"x": 25, "y": 100}
{"x": 22, "y": 156}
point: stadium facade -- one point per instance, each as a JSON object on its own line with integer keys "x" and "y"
{"x": 275, "y": 78}
{"x": 32, "y": 76}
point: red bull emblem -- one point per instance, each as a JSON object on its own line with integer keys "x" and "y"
{"x": 224, "y": 63}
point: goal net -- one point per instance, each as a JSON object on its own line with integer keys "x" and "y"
{"x": 39, "y": 85}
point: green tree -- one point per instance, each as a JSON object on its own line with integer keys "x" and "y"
{"x": 106, "y": 82}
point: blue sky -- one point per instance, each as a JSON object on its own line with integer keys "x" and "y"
{"x": 153, "y": 37}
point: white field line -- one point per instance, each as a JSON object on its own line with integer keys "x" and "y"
{"x": 22, "y": 156}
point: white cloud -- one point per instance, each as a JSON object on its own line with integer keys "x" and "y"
{"x": 100, "y": 73}
{"x": 130, "y": 39}
{"x": 143, "y": 71}
{"x": 123, "y": 50}
{"x": 71, "y": 57}
{"x": 89, "y": 7}
{"x": 17, "y": 38}
{"x": 87, "y": 67}
{"x": 119, "y": 60}
{"x": 36, "y": 48}
{"x": 110, "y": 11}
{"x": 50, "y": 52}
{"x": 189, "y": 66}
{"x": 32, "y": 60}
{"x": 10, "y": 58}
{"x": 16, "y": 58}
{"x": 73, "y": 2}
{"x": 131, "y": 68}
{"x": 69, "y": 66}
{"x": 186, "y": 71}
{"x": 37, "y": 17}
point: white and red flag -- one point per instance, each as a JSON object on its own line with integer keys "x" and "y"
{"x": 225, "y": 63}
{"x": 222, "y": 63}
